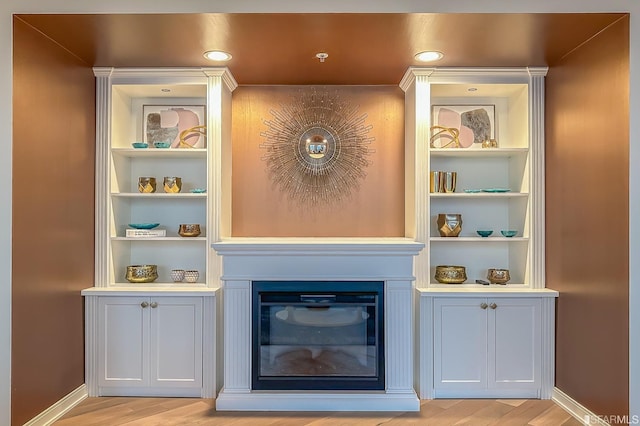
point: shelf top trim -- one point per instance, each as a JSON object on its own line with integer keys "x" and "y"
{"x": 455, "y": 75}
{"x": 195, "y": 75}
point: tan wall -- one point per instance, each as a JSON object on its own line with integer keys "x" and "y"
{"x": 53, "y": 218}
{"x": 375, "y": 210}
{"x": 587, "y": 161}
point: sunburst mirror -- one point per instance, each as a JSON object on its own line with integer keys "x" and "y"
{"x": 317, "y": 147}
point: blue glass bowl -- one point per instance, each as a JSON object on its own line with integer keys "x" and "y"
{"x": 198, "y": 190}
{"x": 140, "y": 145}
{"x": 484, "y": 233}
{"x": 143, "y": 225}
{"x": 162, "y": 144}
{"x": 509, "y": 233}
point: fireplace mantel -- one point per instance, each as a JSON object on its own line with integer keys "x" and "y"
{"x": 315, "y": 259}
{"x": 298, "y": 258}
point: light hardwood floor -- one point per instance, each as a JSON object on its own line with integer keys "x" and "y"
{"x": 113, "y": 411}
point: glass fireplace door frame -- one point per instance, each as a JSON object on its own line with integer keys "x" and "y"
{"x": 351, "y": 297}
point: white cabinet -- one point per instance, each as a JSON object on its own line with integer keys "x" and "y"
{"x": 150, "y": 345}
{"x": 157, "y": 338}
{"x": 486, "y": 347}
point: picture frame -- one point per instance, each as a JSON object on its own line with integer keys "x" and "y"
{"x": 167, "y": 123}
{"x": 462, "y": 126}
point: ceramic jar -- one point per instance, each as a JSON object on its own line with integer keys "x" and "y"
{"x": 177, "y": 275}
{"x": 191, "y": 276}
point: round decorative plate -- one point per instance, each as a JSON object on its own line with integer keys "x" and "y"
{"x": 143, "y": 225}
{"x": 198, "y": 190}
{"x": 496, "y": 190}
{"x": 472, "y": 191}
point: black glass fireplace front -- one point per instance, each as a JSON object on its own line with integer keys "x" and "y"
{"x": 317, "y": 335}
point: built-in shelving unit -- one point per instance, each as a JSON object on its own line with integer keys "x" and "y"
{"x": 476, "y": 340}
{"x": 514, "y": 166}
{"x": 158, "y": 338}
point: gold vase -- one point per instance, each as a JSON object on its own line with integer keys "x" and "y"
{"x": 189, "y": 230}
{"x": 449, "y": 224}
{"x": 172, "y": 184}
{"x": 146, "y": 184}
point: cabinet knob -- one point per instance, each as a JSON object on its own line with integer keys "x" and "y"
{"x": 493, "y": 306}
{"x": 144, "y": 304}
{"x": 483, "y": 305}
{"x": 154, "y": 304}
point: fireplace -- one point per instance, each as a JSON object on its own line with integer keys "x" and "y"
{"x": 382, "y": 317}
{"x": 317, "y": 335}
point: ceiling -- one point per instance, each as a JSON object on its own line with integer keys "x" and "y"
{"x": 363, "y": 48}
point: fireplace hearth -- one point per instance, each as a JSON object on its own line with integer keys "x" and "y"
{"x": 291, "y": 367}
{"x": 317, "y": 335}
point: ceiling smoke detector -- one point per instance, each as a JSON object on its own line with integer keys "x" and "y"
{"x": 322, "y": 56}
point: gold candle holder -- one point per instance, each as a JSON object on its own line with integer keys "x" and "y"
{"x": 172, "y": 184}
{"x": 146, "y": 184}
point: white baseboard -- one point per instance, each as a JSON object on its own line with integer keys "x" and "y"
{"x": 576, "y": 409}
{"x": 60, "y": 408}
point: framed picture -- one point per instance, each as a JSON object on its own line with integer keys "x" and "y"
{"x": 462, "y": 126}
{"x": 183, "y": 126}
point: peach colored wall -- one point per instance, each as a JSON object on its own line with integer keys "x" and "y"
{"x": 587, "y": 160}
{"x": 261, "y": 210}
{"x": 53, "y": 220}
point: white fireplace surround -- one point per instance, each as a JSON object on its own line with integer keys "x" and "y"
{"x": 389, "y": 260}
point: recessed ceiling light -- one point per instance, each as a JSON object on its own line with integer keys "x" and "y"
{"x": 429, "y": 56}
{"x": 217, "y": 55}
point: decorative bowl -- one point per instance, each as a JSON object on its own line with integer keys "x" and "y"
{"x": 189, "y": 230}
{"x": 198, "y": 190}
{"x": 484, "y": 233}
{"x": 191, "y": 276}
{"x": 177, "y": 275}
{"x": 142, "y": 273}
{"x": 498, "y": 276}
{"x": 508, "y": 233}
{"x": 143, "y": 225}
{"x": 140, "y": 145}
{"x": 450, "y": 274}
{"x": 162, "y": 144}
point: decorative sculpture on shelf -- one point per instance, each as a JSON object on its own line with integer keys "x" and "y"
{"x": 317, "y": 147}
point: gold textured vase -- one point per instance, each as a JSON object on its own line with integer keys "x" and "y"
{"x": 449, "y": 224}
{"x": 498, "y": 276}
{"x": 142, "y": 273}
{"x": 450, "y": 274}
{"x": 189, "y": 230}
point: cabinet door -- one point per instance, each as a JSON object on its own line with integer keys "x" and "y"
{"x": 176, "y": 342}
{"x": 460, "y": 344}
{"x": 123, "y": 325}
{"x": 514, "y": 343}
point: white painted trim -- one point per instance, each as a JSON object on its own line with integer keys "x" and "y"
{"x": 317, "y": 401}
{"x": 60, "y": 408}
{"x": 577, "y": 410}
